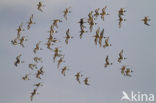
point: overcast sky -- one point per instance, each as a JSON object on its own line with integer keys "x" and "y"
{"x": 81, "y": 55}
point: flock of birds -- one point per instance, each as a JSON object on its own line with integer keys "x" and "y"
{"x": 98, "y": 40}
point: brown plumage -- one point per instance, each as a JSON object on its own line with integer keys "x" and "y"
{"x": 64, "y": 69}
{"x": 78, "y": 75}
{"x": 86, "y": 81}
{"x": 32, "y": 66}
{"x": 39, "y": 6}
{"x": 66, "y": 12}
{"x": 120, "y": 21}
{"x": 26, "y": 77}
{"x": 18, "y": 61}
{"x": 145, "y": 20}
{"x": 38, "y": 59}
{"x": 106, "y": 43}
{"x": 121, "y": 12}
{"x": 33, "y": 94}
{"x": 30, "y": 22}
{"x": 67, "y": 37}
{"x": 22, "y": 39}
{"x": 37, "y": 47}
{"x": 38, "y": 85}
{"x": 128, "y": 71}
{"x": 55, "y": 22}
{"x": 60, "y": 61}
{"x": 96, "y": 37}
{"x": 107, "y": 63}
{"x": 120, "y": 58}
{"x": 39, "y": 72}
{"x": 103, "y": 14}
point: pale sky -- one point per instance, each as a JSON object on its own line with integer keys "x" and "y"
{"x": 81, "y": 55}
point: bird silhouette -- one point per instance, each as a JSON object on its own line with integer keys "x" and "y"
{"x": 101, "y": 37}
{"x": 107, "y": 63}
{"x": 96, "y": 37}
{"x": 14, "y": 41}
{"x": 18, "y": 61}
{"x": 30, "y": 22}
{"x": 32, "y": 66}
{"x": 39, "y": 72}
{"x": 38, "y": 59}
{"x": 91, "y": 23}
{"x": 145, "y": 20}
{"x": 120, "y": 21}
{"x": 86, "y": 81}
{"x": 103, "y": 14}
{"x": 106, "y": 43}
{"x": 64, "y": 69}
{"x": 78, "y": 75}
{"x": 22, "y": 39}
{"x": 38, "y": 85}
{"x": 123, "y": 70}
{"x": 56, "y": 53}
{"x": 60, "y": 61}
{"x": 67, "y": 37}
{"x": 82, "y": 32}
{"x": 37, "y": 47}
{"x": 39, "y": 6}
{"x": 55, "y": 22}
{"x": 128, "y": 71}
{"x": 33, "y": 94}
{"x": 66, "y": 12}
{"x": 26, "y": 77}
{"x": 97, "y": 12}
{"x": 120, "y": 58}
{"x": 121, "y": 12}
{"x": 19, "y": 30}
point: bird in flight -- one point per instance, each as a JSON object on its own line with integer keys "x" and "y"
{"x": 39, "y": 6}
{"x": 128, "y": 71}
{"x": 64, "y": 69}
{"x": 101, "y": 37}
{"x": 18, "y": 61}
{"x": 19, "y": 30}
{"x": 67, "y": 36}
{"x": 78, "y": 75}
{"x": 37, "y": 59}
{"x": 66, "y": 12}
{"x": 60, "y": 61}
{"x": 107, "y": 62}
{"x": 26, "y": 77}
{"x": 82, "y": 32}
{"x": 123, "y": 70}
{"x": 145, "y": 20}
{"x": 120, "y": 21}
{"x": 96, "y": 37}
{"x": 121, "y": 12}
{"x": 33, "y": 94}
{"x": 56, "y": 53}
{"x": 37, "y": 47}
{"x": 103, "y": 14}
{"x": 22, "y": 39}
{"x": 121, "y": 57}
{"x": 38, "y": 85}
{"x": 97, "y": 12}
{"x": 106, "y": 43}
{"x": 55, "y": 23}
{"x": 86, "y": 81}
{"x": 30, "y": 22}
{"x": 32, "y": 66}
{"x": 39, "y": 72}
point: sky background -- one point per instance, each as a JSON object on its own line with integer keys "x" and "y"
{"x": 136, "y": 39}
